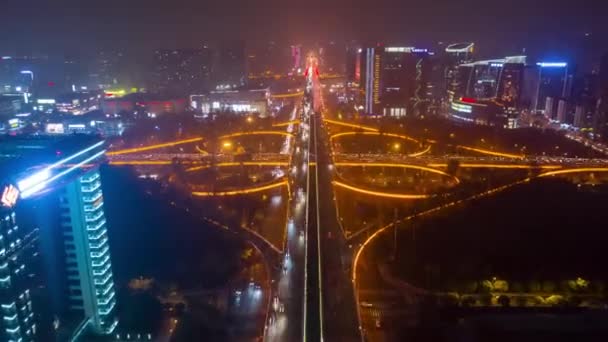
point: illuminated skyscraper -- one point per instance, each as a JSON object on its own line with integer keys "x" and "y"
{"x": 182, "y": 71}
{"x": 553, "y": 82}
{"x": 371, "y": 63}
{"x": 601, "y": 117}
{"x": 395, "y": 80}
{"x": 63, "y": 174}
{"x": 455, "y": 55}
{"x": 17, "y": 251}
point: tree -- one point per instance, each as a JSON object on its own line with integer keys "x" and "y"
{"x": 504, "y": 301}
{"x": 534, "y": 286}
{"x": 548, "y": 286}
{"x": 501, "y": 286}
{"x": 517, "y": 287}
{"x": 453, "y": 166}
{"x": 471, "y": 287}
{"x": 486, "y": 286}
{"x": 141, "y": 313}
{"x": 468, "y": 301}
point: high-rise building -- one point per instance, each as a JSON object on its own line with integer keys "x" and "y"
{"x": 353, "y": 62}
{"x": 230, "y": 69}
{"x": 371, "y": 63}
{"x": 579, "y": 117}
{"x": 455, "y": 55}
{"x": 510, "y": 85}
{"x": 60, "y": 177}
{"x": 553, "y": 81}
{"x": 601, "y": 116}
{"x": 549, "y": 107}
{"x": 296, "y": 58}
{"x": 561, "y": 111}
{"x": 395, "y": 80}
{"x": 488, "y": 92}
{"x": 182, "y": 71}
{"x": 17, "y": 253}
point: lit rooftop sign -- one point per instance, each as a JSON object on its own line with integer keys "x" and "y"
{"x": 399, "y": 49}
{"x": 10, "y": 194}
{"x": 552, "y": 64}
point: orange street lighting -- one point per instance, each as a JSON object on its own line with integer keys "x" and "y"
{"x": 229, "y": 164}
{"x": 380, "y": 193}
{"x": 577, "y": 170}
{"x": 153, "y": 147}
{"x": 346, "y": 124}
{"x": 238, "y": 134}
{"x": 492, "y": 153}
{"x": 244, "y": 191}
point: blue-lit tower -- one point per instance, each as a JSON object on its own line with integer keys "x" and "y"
{"x": 61, "y": 178}
{"x": 89, "y": 266}
{"x": 16, "y": 253}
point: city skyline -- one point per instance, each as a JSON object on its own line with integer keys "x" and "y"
{"x": 496, "y": 27}
{"x": 320, "y": 171}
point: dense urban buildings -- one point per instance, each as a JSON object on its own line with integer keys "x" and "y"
{"x": 279, "y": 171}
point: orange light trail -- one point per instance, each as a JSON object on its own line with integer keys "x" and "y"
{"x": 153, "y": 147}
{"x": 425, "y": 213}
{"x": 346, "y": 124}
{"x": 232, "y": 135}
{"x": 492, "y": 153}
{"x": 140, "y": 162}
{"x": 282, "y": 96}
{"x": 228, "y": 164}
{"x": 380, "y": 193}
{"x": 240, "y": 192}
{"x": 499, "y": 166}
{"x": 423, "y": 152}
{"x": 578, "y": 170}
{"x": 392, "y": 135}
{"x": 283, "y": 124}
{"x": 405, "y": 166}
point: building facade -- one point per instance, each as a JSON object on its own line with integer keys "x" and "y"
{"x": 58, "y": 186}
{"x": 17, "y": 253}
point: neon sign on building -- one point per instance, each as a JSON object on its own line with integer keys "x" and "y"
{"x": 10, "y": 194}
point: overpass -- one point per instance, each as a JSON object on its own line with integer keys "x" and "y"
{"x": 190, "y": 158}
{"x": 527, "y": 162}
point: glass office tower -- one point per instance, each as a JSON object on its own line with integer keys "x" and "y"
{"x": 16, "y": 253}
{"x": 56, "y": 182}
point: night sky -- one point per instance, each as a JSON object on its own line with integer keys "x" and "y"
{"x": 36, "y": 26}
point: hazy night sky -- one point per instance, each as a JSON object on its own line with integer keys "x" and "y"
{"x": 506, "y": 25}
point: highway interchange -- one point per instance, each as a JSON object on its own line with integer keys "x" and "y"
{"x": 313, "y": 292}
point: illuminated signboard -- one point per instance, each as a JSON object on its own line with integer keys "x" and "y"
{"x": 10, "y": 194}
{"x": 55, "y": 128}
{"x": 552, "y": 65}
{"x": 13, "y": 123}
{"x": 399, "y": 49}
{"x": 45, "y": 101}
{"x": 462, "y": 108}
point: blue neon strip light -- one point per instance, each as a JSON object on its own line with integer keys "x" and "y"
{"x": 41, "y": 185}
{"x": 552, "y": 64}
{"x": 44, "y": 174}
